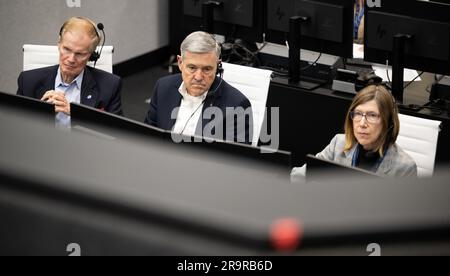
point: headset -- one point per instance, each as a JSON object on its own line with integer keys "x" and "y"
{"x": 219, "y": 73}
{"x": 211, "y": 92}
{"x": 95, "y": 56}
{"x": 220, "y": 70}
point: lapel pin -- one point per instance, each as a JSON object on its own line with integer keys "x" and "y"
{"x": 89, "y": 97}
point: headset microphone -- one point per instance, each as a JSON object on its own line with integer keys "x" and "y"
{"x": 219, "y": 73}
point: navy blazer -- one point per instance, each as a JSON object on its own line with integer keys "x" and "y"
{"x": 99, "y": 89}
{"x": 166, "y": 98}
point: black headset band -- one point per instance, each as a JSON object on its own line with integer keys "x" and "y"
{"x": 84, "y": 19}
{"x": 94, "y": 55}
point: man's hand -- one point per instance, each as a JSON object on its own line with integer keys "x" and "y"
{"x": 59, "y": 100}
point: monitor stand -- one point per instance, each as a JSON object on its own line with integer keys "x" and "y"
{"x": 295, "y": 77}
{"x": 398, "y": 66}
{"x": 208, "y": 15}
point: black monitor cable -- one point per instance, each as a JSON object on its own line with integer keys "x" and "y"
{"x": 388, "y": 84}
{"x": 312, "y": 64}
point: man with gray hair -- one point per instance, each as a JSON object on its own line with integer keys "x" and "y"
{"x": 198, "y": 101}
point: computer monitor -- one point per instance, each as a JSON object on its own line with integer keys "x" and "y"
{"x": 109, "y": 126}
{"x": 230, "y": 18}
{"x": 320, "y": 169}
{"x": 324, "y": 26}
{"x": 416, "y": 37}
{"x": 103, "y": 124}
{"x": 26, "y": 104}
{"x": 62, "y": 190}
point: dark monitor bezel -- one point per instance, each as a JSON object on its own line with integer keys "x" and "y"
{"x": 107, "y": 125}
{"x": 319, "y": 169}
{"x": 30, "y": 105}
{"x": 23, "y": 102}
{"x": 447, "y": 2}
{"x": 343, "y": 49}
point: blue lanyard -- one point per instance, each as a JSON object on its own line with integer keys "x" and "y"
{"x": 358, "y": 17}
{"x": 375, "y": 167}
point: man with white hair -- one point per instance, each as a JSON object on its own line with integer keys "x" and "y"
{"x": 72, "y": 80}
{"x": 198, "y": 101}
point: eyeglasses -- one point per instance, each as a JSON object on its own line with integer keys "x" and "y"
{"x": 207, "y": 71}
{"x": 371, "y": 117}
{"x": 78, "y": 56}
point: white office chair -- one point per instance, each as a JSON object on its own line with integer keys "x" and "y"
{"x": 254, "y": 84}
{"x": 38, "y": 56}
{"x": 418, "y": 137}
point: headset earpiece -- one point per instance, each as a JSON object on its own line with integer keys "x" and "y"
{"x": 94, "y": 56}
{"x": 219, "y": 71}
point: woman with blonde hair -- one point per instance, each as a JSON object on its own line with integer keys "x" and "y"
{"x": 369, "y": 142}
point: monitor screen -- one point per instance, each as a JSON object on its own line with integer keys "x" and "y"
{"x": 319, "y": 169}
{"x": 22, "y": 104}
{"x": 329, "y": 28}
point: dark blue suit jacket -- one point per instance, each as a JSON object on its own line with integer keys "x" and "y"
{"x": 99, "y": 89}
{"x": 166, "y": 98}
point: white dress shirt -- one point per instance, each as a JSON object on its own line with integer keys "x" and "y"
{"x": 189, "y": 112}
